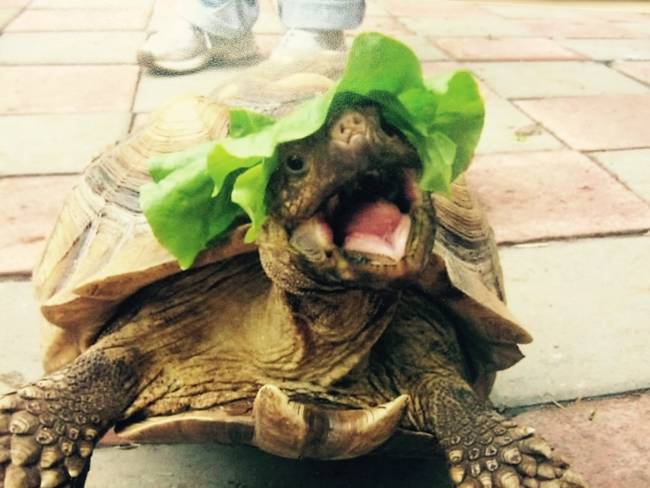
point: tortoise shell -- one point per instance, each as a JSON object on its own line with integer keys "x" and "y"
{"x": 102, "y": 250}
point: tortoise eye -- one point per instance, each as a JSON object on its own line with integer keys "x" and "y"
{"x": 295, "y": 164}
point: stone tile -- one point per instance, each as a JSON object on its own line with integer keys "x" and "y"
{"x": 92, "y": 4}
{"x": 388, "y": 25}
{"x": 593, "y": 434}
{"x": 6, "y": 16}
{"x": 374, "y": 9}
{"x": 20, "y": 360}
{"x": 505, "y": 49}
{"x": 436, "y": 68}
{"x": 417, "y": 8}
{"x": 423, "y": 48}
{"x": 636, "y": 69}
{"x": 583, "y": 28}
{"x": 29, "y": 209}
{"x": 611, "y": 49}
{"x": 80, "y": 20}
{"x": 13, "y": 3}
{"x": 631, "y": 167}
{"x": 475, "y": 25}
{"x": 163, "y": 13}
{"x": 595, "y": 122}
{"x": 537, "y": 196}
{"x": 70, "y": 47}
{"x": 33, "y": 144}
{"x": 586, "y": 306}
{"x": 554, "y": 79}
{"x": 507, "y": 129}
{"x": 219, "y": 466}
{"x": 68, "y": 89}
{"x": 530, "y": 11}
{"x": 154, "y": 89}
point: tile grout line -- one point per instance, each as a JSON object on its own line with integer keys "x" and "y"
{"x": 614, "y": 175}
{"x": 641, "y": 232}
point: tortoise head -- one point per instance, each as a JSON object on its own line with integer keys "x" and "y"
{"x": 345, "y": 210}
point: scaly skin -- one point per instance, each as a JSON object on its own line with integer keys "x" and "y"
{"x": 48, "y": 429}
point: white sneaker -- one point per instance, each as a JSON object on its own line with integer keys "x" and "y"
{"x": 183, "y": 47}
{"x": 302, "y": 42}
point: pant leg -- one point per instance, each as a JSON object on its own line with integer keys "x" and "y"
{"x": 322, "y": 14}
{"x": 223, "y": 18}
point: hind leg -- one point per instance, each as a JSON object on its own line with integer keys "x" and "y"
{"x": 48, "y": 429}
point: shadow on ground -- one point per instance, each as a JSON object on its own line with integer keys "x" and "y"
{"x": 217, "y": 466}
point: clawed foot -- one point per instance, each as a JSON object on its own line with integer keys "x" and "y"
{"x": 45, "y": 440}
{"x": 503, "y": 455}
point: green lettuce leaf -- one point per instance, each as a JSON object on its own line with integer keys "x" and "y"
{"x": 199, "y": 193}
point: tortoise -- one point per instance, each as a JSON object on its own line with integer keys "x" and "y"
{"x": 369, "y": 316}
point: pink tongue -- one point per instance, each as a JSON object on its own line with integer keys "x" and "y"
{"x": 378, "y": 228}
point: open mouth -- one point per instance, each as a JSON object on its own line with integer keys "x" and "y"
{"x": 370, "y": 215}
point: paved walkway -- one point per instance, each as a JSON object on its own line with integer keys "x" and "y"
{"x": 563, "y": 169}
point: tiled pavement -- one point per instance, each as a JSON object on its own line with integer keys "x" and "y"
{"x": 563, "y": 169}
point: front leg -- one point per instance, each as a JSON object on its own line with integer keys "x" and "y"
{"x": 484, "y": 449}
{"x": 48, "y": 429}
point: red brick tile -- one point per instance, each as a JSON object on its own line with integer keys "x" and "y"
{"x": 415, "y": 8}
{"x": 58, "y": 89}
{"x": 636, "y": 69}
{"x": 595, "y": 122}
{"x": 476, "y": 24}
{"x": 388, "y": 25}
{"x": 585, "y": 28}
{"x": 435, "y": 68}
{"x": 505, "y": 49}
{"x": 611, "y": 49}
{"x": 606, "y": 440}
{"x": 544, "y": 195}
{"x": 55, "y": 48}
{"x": 29, "y": 209}
{"x": 80, "y": 20}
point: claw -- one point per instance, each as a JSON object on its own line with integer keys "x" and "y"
{"x": 528, "y": 465}
{"x": 457, "y": 473}
{"x": 295, "y": 430}
{"x": 486, "y": 480}
{"x": 546, "y": 471}
{"x": 11, "y": 402}
{"x": 469, "y": 483}
{"x": 50, "y": 456}
{"x": 536, "y": 445}
{"x": 23, "y": 423}
{"x": 550, "y": 484}
{"x": 574, "y": 478}
{"x": 52, "y": 478}
{"x": 24, "y": 450}
{"x": 507, "y": 478}
{"x": 4, "y": 424}
{"x": 19, "y": 477}
{"x": 510, "y": 455}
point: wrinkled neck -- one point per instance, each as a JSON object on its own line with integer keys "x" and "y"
{"x": 331, "y": 332}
